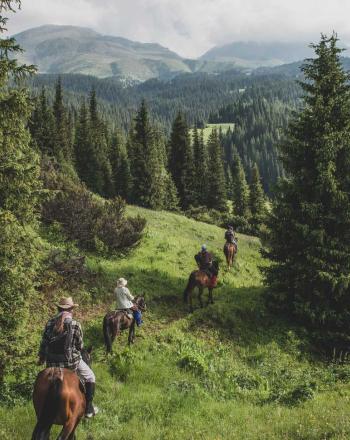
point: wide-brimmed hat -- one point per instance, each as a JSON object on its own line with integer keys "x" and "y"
{"x": 66, "y": 303}
{"x": 122, "y": 282}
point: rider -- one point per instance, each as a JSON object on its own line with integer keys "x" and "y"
{"x": 124, "y": 300}
{"x": 61, "y": 347}
{"x": 204, "y": 260}
{"x": 230, "y": 237}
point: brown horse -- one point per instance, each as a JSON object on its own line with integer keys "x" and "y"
{"x": 118, "y": 320}
{"x": 59, "y": 399}
{"x": 230, "y": 252}
{"x": 202, "y": 280}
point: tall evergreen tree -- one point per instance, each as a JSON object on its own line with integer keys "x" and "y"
{"x": 310, "y": 222}
{"x": 217, "y": 194}
{"x": 42, "y": 125}
{"x": 240, "y": 189}
{"x": 120, "y": 167}
{"x": 256, "y": 199}
{"x": 201, "y": 167}
{"x": 19, "y": 185}
{"x": 61, "y": 135}
{"x": 147, "y": 164}
{"x": 181, "y": 163}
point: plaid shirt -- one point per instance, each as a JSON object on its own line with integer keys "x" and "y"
{"x": 77, "y": 345}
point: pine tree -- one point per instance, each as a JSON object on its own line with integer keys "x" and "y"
{"x": 148, "y": 181}
{"x": 19, "y": 187}
{"x": 217, "y": 194}
{"x": 309, "y": 236}
{"x": 181, "y": 164}
{"x": 61, "y": 136}
{"x": 256, "y": 200}
{"x": 201, "y": 168}
{"x": 42, "y": 125}
{"x": 83, "y": 148}
{"x": 240, "y": 189}
{"x": 120, "y": 167}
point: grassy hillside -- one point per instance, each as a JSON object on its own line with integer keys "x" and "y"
{"x": 210, "y": 127}
{"x": 229, "y": 371}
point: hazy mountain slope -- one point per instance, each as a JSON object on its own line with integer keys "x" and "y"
{"x": 253, "y": 54}
{"x": 70, "y": 49}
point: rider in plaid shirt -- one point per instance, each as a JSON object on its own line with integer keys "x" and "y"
{"x": 61, "y": 347}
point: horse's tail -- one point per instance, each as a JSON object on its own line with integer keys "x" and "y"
{"x": 49, "y": 411}
{"x": 107, "y": 334}
{"x": 189, "y": 287}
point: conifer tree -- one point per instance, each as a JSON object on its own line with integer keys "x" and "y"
{"x": 181, "y": 163}
{"x": 61, "y": 136}
{"x": 201, "y": 167}
{"x": 217, "y": 194}
{"x": 240, "y": 189}
{"x": 147, "y": 164}
{"x": 309, "y": 240}
{"x": 42, "y": 125}
{"x": 19, "y": 187}
{"x": 256, "y": 200}
{"x": 120, "y": 167}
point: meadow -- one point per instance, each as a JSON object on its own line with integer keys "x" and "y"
{"x": 224, "y": 127}
{"x": 228, "y": 371}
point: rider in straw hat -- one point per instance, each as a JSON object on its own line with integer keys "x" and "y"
{"x": 61, "y": 347}
{"x": 125, "y": 300}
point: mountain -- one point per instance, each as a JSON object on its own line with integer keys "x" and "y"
{"x": 253, "y": 54}
{"x": 71, "y": 49}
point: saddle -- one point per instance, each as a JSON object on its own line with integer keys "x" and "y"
{"x": 127, "y": 312}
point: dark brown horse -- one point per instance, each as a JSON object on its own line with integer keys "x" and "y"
{"x": 202, "y": 280}
{"x": 230, "y": 252}
{"x": 59, "y": 399}
{"x": 118, "y": 320}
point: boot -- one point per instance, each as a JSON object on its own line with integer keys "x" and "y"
{"x": 90, "y": 410}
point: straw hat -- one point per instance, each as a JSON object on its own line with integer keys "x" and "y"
{"x": 122, "y": 282}
{"x": 66, "y": 303}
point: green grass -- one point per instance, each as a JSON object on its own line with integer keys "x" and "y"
{"x": 228, "y": 371}
{"x": 209, "y": 128}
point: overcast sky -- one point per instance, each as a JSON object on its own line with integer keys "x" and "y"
{"x": 191, "y": 27}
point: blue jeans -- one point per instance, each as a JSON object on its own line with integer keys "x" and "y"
{"x": 138, "y": 317}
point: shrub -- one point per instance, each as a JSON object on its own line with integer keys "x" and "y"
{"x": 95, "y": 224}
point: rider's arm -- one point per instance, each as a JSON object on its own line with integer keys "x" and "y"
{"x": 128, "y": 294}
{"x": 78, "y": 336}
{"x": 44, "y": 344}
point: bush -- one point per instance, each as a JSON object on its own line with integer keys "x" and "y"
{"x": 206, "y": 215}
{"x": 95, "y": 224}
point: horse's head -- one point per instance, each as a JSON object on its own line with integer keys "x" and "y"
{"x": 215, "y": 267}
{"x": 141, "y": 303}
{"x": 86, "y": 355}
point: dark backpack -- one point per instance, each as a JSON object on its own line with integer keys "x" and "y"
{"x": 60, "y": 344}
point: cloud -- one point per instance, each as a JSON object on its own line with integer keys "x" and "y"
{"x": 190, "y": 27}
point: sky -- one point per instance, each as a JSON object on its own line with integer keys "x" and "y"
{"x": 191, "y": 27}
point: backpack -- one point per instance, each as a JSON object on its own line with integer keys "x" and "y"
{"x": 60, "y": 344}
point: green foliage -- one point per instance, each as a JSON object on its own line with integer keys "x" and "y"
{"x": 217, "y": 193}
{"x": 240, "y": 189}
{"x": 19, "y": 191}
{"x": 95, "y": 224}
{"x": 309, "y": 240}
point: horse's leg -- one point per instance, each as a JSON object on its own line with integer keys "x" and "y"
{"x": 200, "y": 292}
{"x": 68, "y": 429}
{"x": 41, "y": 432}
{"x": 191, "y": 302}
{"x": 211, "y": 300}
{"x": 131, "y": 333}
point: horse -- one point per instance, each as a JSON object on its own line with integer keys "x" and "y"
{"x": 116, "y": 321}
{"x": 202, "y": 280}
{"x": 59, "y": 399}
{"x": 230, "y": 252}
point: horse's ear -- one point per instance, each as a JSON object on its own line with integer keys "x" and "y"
{"x": 89, "y": 349}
